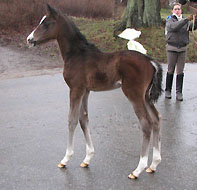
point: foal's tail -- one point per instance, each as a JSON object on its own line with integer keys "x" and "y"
{"x": 156, "y": 84}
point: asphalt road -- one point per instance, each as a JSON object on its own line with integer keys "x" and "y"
{"x": 33, "y": 133}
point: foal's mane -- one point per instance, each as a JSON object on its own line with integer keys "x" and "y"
{"x": 79, "y": 43}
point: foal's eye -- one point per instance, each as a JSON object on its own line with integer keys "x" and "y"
{"x": 45, "y": 24}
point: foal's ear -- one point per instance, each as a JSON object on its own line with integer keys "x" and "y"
{"x": 51, "y": 12}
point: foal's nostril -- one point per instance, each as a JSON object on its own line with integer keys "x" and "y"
{"x": 30, "y": 40}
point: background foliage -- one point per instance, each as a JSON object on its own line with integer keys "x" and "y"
{"x": 93, "y": 17}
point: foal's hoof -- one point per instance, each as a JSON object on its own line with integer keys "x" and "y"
{"x": 131, "y": 176}
{"x": 149, "y": 170}
{"x": 60, "y": 165}
{"x": 84, "y": 165}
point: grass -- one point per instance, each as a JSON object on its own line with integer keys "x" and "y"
{"x": 165, "y": 12}
{"x": 100, "y": 33}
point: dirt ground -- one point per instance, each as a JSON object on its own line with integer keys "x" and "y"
{"x": 17, "y": 60}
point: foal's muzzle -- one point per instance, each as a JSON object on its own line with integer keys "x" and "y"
{"x": 31, "y": 42}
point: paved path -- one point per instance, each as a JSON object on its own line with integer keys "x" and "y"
{"x": 24, "y": 62}
{"x": 33, "y": 133}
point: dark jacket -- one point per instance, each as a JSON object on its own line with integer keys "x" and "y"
{"x": 177, "y": 31}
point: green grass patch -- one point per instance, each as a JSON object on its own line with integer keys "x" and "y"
{"x": 100, "y": 32}
{"x": 165, "y": 13}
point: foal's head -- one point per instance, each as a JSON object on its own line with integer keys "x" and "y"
{"x": 55, "y": 25}
{"x": 47, "y": 28}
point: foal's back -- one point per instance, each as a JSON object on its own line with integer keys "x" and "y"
{"x": 99, "y": 71}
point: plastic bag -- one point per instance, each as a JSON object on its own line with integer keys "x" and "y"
{"x": 131, "y": 34}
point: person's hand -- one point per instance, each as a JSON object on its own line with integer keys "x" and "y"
{"x": 189, "y": 18}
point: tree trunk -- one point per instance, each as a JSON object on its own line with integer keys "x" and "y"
{"x": 140, "y": 13}
{"x": 115, "y": 9}
{"x": 128, "y": 20}
{"x": 152, "y": 15}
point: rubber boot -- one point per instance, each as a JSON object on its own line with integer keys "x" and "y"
{"x": 179, "y": 87}
{"x": 169, "y": 80}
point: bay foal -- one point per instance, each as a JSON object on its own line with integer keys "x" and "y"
{"x": 86, "y": 68}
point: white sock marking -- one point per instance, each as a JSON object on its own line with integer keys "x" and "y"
{"x": 141, "y": 166}
{"x": 156, "y": 159}
{"x": 89, "y": 154}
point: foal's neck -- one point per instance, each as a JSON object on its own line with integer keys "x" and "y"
{"x": 72, "y": 42}
{"x": 64, "y": 47}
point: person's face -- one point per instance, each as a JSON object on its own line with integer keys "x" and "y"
{"x": 177, "y": 10}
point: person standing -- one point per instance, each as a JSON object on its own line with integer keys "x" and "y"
{"x": 177, "y": 37}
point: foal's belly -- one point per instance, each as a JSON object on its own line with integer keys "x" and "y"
{"x": 105, "y": 87}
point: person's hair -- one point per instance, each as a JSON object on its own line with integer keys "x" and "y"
{"x": 174, "y": 4}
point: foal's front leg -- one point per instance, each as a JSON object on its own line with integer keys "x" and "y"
{"x": 83, "y": 119}
{"x": 75, "y": 104}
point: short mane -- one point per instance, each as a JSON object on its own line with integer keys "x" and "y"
{"x": 79, "y": 41}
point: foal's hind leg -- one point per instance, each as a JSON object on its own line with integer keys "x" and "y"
{"x": 145, "y": 121}
{"x": 136, "y": 96}
{"x": 75, "y": 104}
{"x": 156, "y": 138}
{"x": 83, "y": 119}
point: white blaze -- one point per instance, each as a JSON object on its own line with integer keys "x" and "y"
{"x": 31, "y": 36}
{"x": 43, "y": 19}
